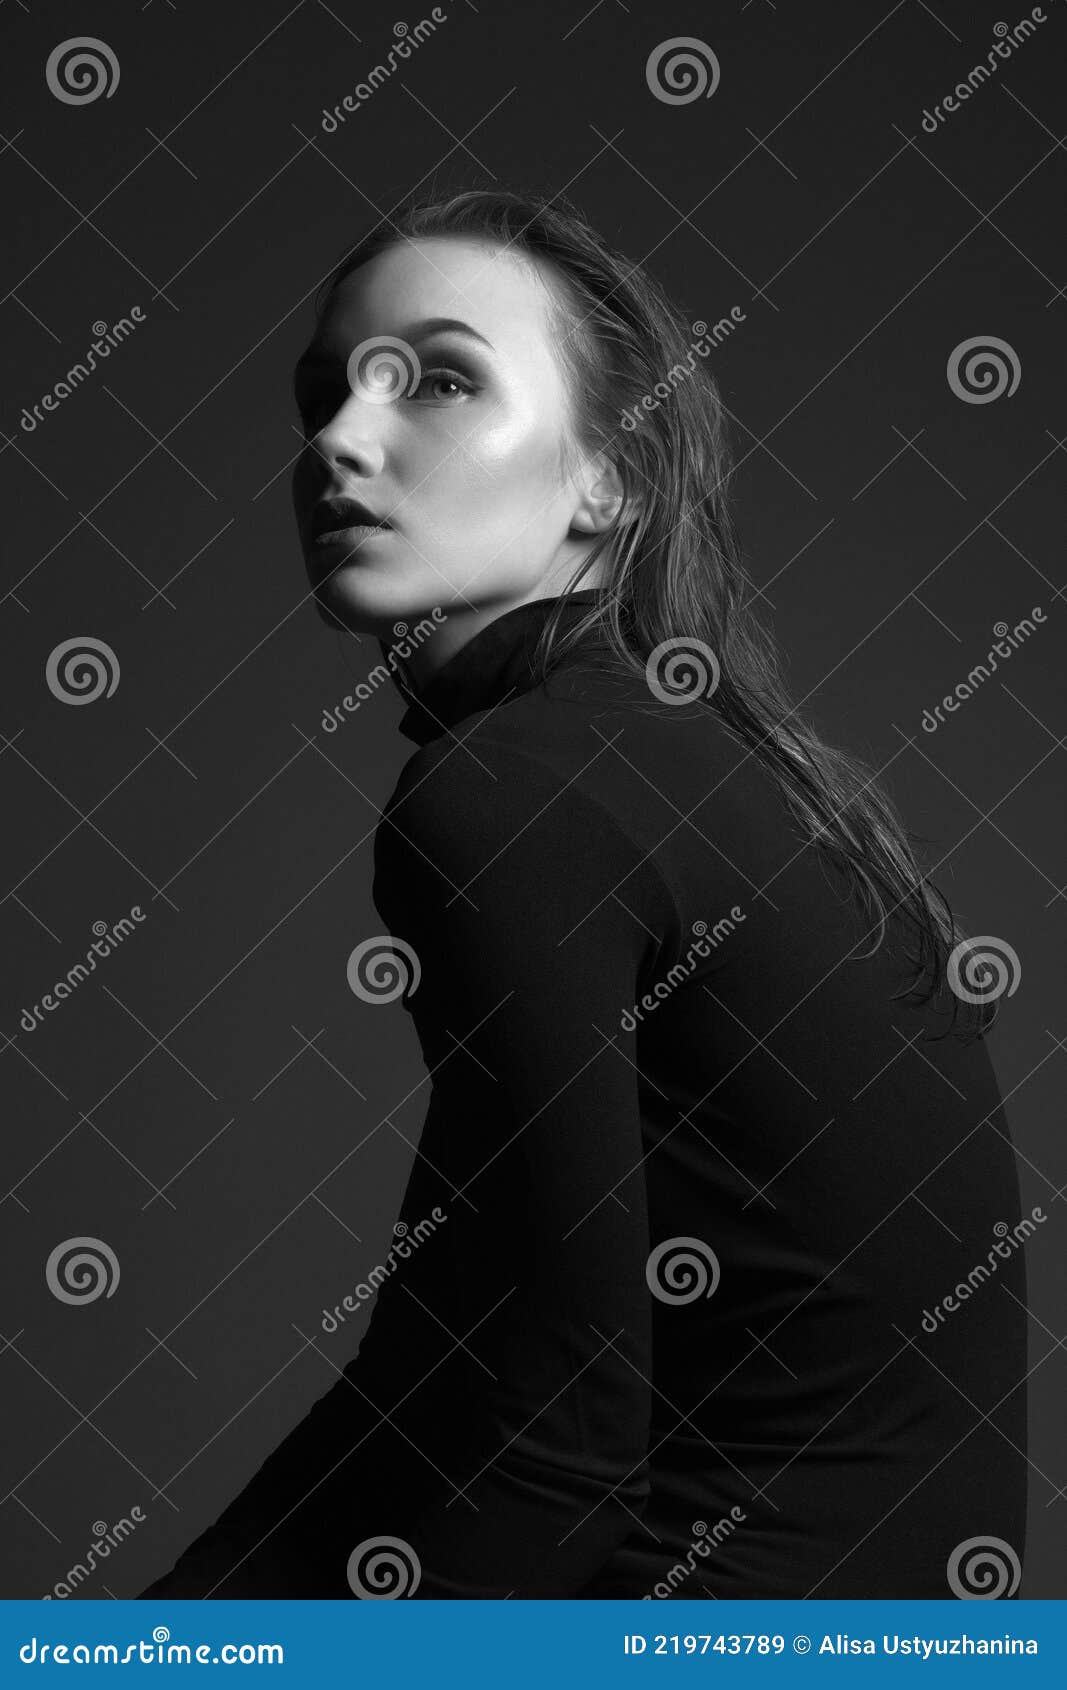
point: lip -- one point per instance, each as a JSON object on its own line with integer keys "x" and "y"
{"x": 344, "y": 516}
{"x": 353, "y": 535}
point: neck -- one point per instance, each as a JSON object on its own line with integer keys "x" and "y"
{"x": 494, "y": 664}
{"x": 465, "y": 619}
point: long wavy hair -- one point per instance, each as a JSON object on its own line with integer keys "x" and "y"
{"x": 670, "y": 567}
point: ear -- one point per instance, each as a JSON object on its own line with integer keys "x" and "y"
{"x": 600, "y": 496}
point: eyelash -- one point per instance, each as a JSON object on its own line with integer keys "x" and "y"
{"x": 444, "y": 372}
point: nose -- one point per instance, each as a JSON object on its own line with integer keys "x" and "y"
{"x": 353, "y": 442}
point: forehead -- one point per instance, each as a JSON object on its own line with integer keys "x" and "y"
{"x": 498, "y": 293}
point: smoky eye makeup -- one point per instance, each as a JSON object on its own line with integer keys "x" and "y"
{"x": 442, "y": 369}
{"x": 443, "y": 350}
{"x": 319, "y": 394}
{"x": 445, "y": 355}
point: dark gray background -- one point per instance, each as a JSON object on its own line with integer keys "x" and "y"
{"x": 215, "y": 1103}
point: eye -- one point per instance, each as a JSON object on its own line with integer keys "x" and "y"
{"x": 443, "y": 385}
{"x": 316, "y": 406}
{"x": 318, "y": 401}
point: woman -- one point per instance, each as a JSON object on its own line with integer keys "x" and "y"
{"x": 713, "y": 1125}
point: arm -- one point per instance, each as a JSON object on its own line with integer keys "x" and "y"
{"x": 535, "y": 1097}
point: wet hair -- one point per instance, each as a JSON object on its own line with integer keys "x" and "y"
{"x": 670, "y": 567}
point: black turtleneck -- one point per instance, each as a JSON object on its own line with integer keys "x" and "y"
{"x": 691, "y": 1193}
{"x": 493, "y": 666}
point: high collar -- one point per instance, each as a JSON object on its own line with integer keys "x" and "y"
{"x": 494, "y": 664}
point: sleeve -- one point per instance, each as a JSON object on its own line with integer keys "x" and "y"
{"x": 530, "y": 915}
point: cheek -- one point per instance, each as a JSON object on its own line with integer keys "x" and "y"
{"x": 513, "y": 461}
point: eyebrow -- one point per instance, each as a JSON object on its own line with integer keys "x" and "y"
{"x": 315, "y": 357}
{"x": 447, "y": 325}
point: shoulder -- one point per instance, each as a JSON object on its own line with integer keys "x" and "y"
{"x": 480, "y": 793}
{"x": 490, "y": 812}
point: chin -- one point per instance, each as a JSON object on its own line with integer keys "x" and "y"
{"x": 350, "y": 604}
{"x": 365, "y": 599}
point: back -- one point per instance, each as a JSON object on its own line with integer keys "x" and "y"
{"x": 755, "y": 1172}
{"x": 707, "y": 1278}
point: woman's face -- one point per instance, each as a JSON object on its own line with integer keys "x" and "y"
{"x": 454, "y": 437}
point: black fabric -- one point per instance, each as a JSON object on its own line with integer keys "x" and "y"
{"x": 527, "y": 1413}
